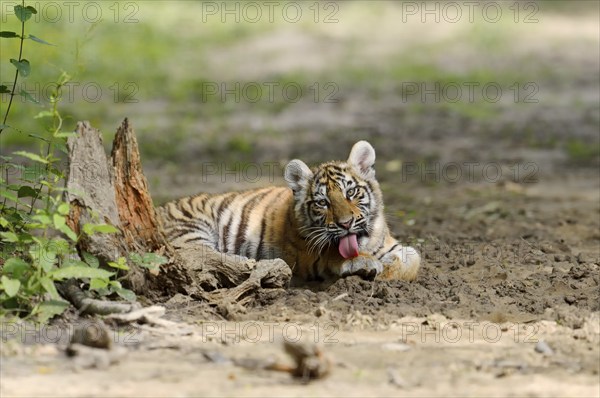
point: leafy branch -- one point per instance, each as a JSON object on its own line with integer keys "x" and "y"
{"x": 38, "y": 246}
{"x": 22, "y": 65}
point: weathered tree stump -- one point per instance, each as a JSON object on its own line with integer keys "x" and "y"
{"x": 115, "y": 191}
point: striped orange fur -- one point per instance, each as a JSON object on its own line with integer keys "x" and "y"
{"x": 329, "y": 222}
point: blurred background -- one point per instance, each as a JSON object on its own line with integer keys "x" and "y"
{"x": 222, "y": 94}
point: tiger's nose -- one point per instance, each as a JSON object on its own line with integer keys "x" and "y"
{"x": 346, "y": 223}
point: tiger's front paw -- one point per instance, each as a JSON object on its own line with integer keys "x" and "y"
{"x": 363, "y": 266}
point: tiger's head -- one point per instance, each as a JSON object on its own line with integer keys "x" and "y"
{"x": 337, "y": 203}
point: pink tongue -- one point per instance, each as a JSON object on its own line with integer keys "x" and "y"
{"x": 348, "y": 246}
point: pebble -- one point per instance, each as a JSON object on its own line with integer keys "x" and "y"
{"x": 585, "y": 258}
{"x": 396, "y": 347}
{"x": 543, "y": 348}
{"x": 395, "y": 378}
{"x": 563, "y": 267}
{"x": 570, "y": 299}
{"x": 560, "y": 257}
{"x": 320, "y": 311}
{"x": 547, "y": 248}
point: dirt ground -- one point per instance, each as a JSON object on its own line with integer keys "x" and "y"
{"x": 499, "y": 283}
{"x": 507, "y": 302}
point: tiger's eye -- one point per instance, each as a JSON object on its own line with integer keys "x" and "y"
{"x": 322, "y": 203}
{"x": 350, "y": 193}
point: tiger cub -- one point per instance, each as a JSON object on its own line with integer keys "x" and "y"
{"x": 329, "y": 223}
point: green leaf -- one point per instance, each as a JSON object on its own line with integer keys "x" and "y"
{"x": 120, "y": 264}
{"x": 148, "y": 260}
{"x": 22, "y": 66}
{"x": 91, "y": 260}
{"x": 37, "y": 39}
{"x": 8, "y": 35}
{"x": 15, "y": 217}
{"x": 67, "y": 231}
{"x": 98, "y": 284}
{"x": 72, "y": 262}
{"x": 59, "y": 246}
{"x": 48, "y": 285}
{"x": 46, "y": 310}
{"x": 44, "y": 114}
{"x": 79, "y": 272}
{"x": 31, "y": 156}
{"x": 63, "y": 208}
{"x": 125, "y": 294}
{"x": 9, "y": 196}
{"x": 9, "y": 236}
{"x": 88, "y": 229}
{"x": 16, "y": 267}
{"x": 26, "y": 192}
{"x": 115, "y": 284}
{"x": 24, "y": 13}
{"x": 42, "y": 219}
{"x": 38, "y": 137}
{"x": 28, "y": 97}
{"x": 10, "y": 286}
{"x": 105, "y": 229}
{"x": 65, "y": 134}
{"x": 59, "y": 221}
{"x": 47, "y": 259}
{"x": 33, "y": 173}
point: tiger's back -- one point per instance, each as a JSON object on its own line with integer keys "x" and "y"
{"x": 328, "y": 223}
{"x": 245, "y": 223}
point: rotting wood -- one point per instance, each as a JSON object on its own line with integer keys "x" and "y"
{"x": 134, "y": 204}
{"x": 86, "y": 305}
{"x": 90, "y": 192}
{"x": 115, "y": 191}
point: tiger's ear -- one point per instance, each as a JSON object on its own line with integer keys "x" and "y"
{"x": 362, "y": 158}
{"x": 297, "y": 175}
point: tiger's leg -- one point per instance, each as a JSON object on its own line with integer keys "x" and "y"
{"x": 399, "y": 262}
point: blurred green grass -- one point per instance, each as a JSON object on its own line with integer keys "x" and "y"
{"x": 156, "y": 68}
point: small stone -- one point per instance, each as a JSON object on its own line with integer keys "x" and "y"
{"x": 396, "y": 347}
{"x": 548, "y": 270}
{"x": 583, "y": 258}
{"x": 547, "y": 248}
{"x": 570, "y": 299}
{"x": 320, "y": 311}
{"x": 563, "y": 267}
{"x": 395, "y": 378}
{"x": 560, "y": 257}
{"x": 92, "y": 334}
{"x": 578, "y": 271}
{"x": 543, "y": 348}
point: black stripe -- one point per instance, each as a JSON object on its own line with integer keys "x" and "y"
{"x": 197, "y": 238}
{"x": 200, "y": 206}
{"x": 179, "y": 232}
{"x": 184, "y": 210}
{"x": 227, "y": 199}
{"x": 263, "y": 226}
{"x": 224, "y": 203}
{"x": 246, "y": 209}
{"x": 389, "y": 251}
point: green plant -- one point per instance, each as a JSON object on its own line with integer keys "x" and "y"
{"x": 38, "y": 246}
{"x": 581, "y": 152}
